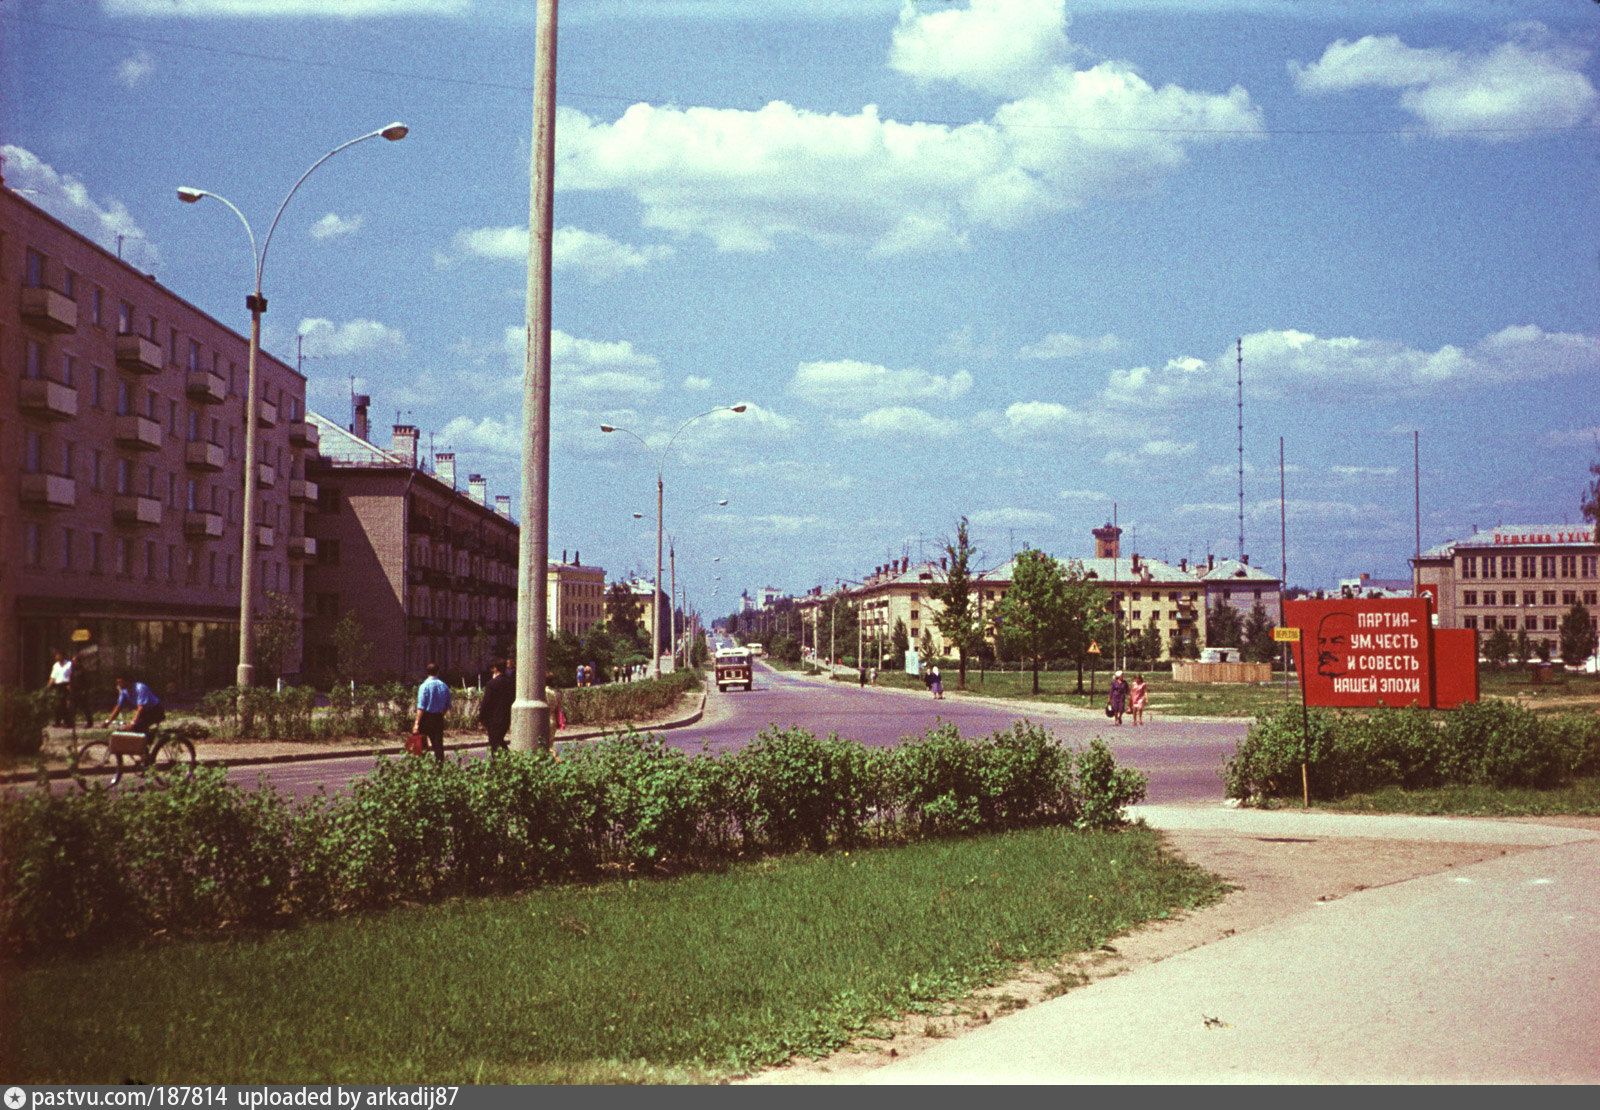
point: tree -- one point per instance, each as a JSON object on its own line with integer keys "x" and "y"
{"x": 1030, "y": 619}
{"x": 1085, "y": 616}
{"x": 1591, "y": 500}
{"x": 1259, "y": 646}
{"x": 1497, "y": 648}
{"x": 1577, "y": 635}
{"x": 352, "y": 651}
{"x": 899, "y": 644}
{"x": 1223, "y": 626}
{"x": 277, "y": 634}
{"x": 1178, "y": 645}
{"x": 1523, "y": 648}
{"x": 623, "y": 607}
{"x": 1144, "y": 644}
{"x": 957, "y": 619}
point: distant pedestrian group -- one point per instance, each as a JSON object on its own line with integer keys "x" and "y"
{"x": 935, "y": 682}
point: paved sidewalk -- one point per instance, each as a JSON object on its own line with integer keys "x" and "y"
{"x": 1481, "y": 974}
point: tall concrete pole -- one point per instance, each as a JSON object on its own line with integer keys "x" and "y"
{"x": 530, "y": 713}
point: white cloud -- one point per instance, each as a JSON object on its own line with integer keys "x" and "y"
{"x": 1574, "y": 437}
{"x": 1525, "y": 83}
{"x": 324, "y": 338}
{"x": 593, "y": 256}
{"x": 591, "y": 365}
{"x": 773, "y": 524}
{"x": 502, "y": 438}
{"x": 1040, "y": 421}
{"x": 696, "y": 383}
{"x": 295, "y": 9}
{"x": 1154, "y": 450}
{"x": 997, "y": 46}
{"x": 903, "y": 422}
{"x": 1058, "y": 345}
{"x": 334, "y": 226}
{"x": 1011, "y": 518}
{"x": 1363, "y": 473}
{"x": 135, "y": 69}
{"x": 67, "y": 199}
{"x": 847, "y": 384}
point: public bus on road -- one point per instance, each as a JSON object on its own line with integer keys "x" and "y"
{"x": 733, "y": 667}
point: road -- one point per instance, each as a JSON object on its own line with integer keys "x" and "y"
{"x": 1183, "y": 758}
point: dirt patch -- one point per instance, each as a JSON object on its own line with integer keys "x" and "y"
{"x": 1274, "y": 877}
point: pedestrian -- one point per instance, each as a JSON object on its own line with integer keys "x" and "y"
{"x": 494, "y": 711}
{"x": 60, "y": 687}
{"x": 1136, "y": 698}
{"x": 433, "y": 701}
{"x": 1119, "y": 697}
{"x": 146, "y": 707}
{"x": 862, "y": 670}
{"x": 556, "y": 720}
{"x": 936, "y": 684}
{"x": 577, "y": 677}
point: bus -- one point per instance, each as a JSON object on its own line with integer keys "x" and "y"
{"x": 733, "y": 668}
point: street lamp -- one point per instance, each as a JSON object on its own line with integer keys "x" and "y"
{"x": 661, "y": 462}
{"x": 257, "y": 304}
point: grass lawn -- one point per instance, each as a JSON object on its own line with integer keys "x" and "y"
{"x": 652, "y": 981}
{"x": 1578, "y": 798}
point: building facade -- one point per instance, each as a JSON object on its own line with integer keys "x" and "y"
{"x": 122, "y": 430}
{"x": 575, "y": 595}
{"x": 428, "y": 570}
{"x": 1520, "y": 578}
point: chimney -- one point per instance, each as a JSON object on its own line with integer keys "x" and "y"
{"x": 404, "y": 443}
{"x": 1211, "y": 562}
{"x": 478, "y": 489}
{"x": 1183, "y": 563}
{"x": 502, "y": 504}
{"x": 563, "y": 554}
{"x": 444, "y": 467}
{"x": 1245, "y": 559}
{"x": 944, "y": 562}
{"x": 361, "y": 401}
{"x": 1135, "y": 562}
{"x": 577, "y": 557}
{"x": 1107, "y": 542}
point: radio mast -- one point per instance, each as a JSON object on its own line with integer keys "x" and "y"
{"x": 1239, "y": 349}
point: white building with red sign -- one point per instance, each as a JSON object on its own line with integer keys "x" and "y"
{"x": 1522, "y": 578}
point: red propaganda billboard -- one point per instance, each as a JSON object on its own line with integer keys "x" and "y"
{"x": 1364, "y": 651}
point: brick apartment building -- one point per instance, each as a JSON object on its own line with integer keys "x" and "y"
{"x": 122, "y": 421}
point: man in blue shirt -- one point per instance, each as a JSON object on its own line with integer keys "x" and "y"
{"x": 147, "y": 711}
{"x": 433, "y": 700}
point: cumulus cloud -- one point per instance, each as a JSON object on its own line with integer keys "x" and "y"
{"x": 848, "y": 384}
{"x": 1041, "y": 421}
{"x": 135, "y": 69}
{"x": 997, "y": 46}
{"x": 1154, "y": 450}
{"x": 696, "y": 383}
{"x": 1011, "y": 518}
{"x": 1060, "y": 345}
{"x": 68, "y": 200}
{"x": 591, "y": 365}
{"x": 748, "y": 179}
{"x": 324, "y": 338}
{"x": 500, "y": 438}
{"x": 335, "y": 226}
{"x": 591, "y": 255}
{"x": 902, "y": 422}
{"x": 292, "y": 9}
{"x": 1526, "y": 83}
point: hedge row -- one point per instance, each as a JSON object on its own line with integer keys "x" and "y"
{"x": 1491, "y": 743}
{"x": 86, "y": 868}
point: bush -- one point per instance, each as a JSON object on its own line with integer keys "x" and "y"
{"x": 24, "y": 714}
{"x": 1496, "y": 743}
{"x": 1103, "y": 788}
{"x": 804, "y": 791}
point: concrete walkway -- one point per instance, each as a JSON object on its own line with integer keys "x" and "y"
{"x": 1481, "y": 974}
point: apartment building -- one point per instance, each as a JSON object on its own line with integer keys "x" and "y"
{"x": 1522, "y": 578}
{"x": 575, "y": 596}
{"x": 122, "y": 431}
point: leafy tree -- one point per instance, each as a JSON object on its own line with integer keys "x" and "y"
{"x": 925, "y": 649}
{"x": 352, "y": 651}
{"x": 1523, "y": 648}
{"x": 899, "y": 644}
{"x": 1259, "y": 646}
{"x": 1031, "y": 618}
{"x": 1223, "y": 626}
{"x": 624, "y": 607}
{"x": 1497, "y": 648}
{"x": 1085, "y": 616}
{"x": 1577, "y": 635}
{"x": 1144, "y": 644}
{"x": 1179, "y": 645}
{"x": 957, "y": 619}
{"x": 1591, "y": 499}
{"x": 277, "y": 634}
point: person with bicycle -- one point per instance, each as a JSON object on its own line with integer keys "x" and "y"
{"x": 147, "y": 711}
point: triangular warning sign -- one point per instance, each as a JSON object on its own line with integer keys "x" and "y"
{"x": 1094, "y": 647}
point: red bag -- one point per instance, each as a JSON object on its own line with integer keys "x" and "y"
{"x": 416, "y": 743}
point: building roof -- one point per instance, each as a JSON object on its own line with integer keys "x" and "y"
{"x": 343, "y": 447}
{"x": 1232, "y": 570}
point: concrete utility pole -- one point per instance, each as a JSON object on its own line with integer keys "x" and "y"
{"x": 530, "y": 713}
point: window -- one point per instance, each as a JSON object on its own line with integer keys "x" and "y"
{"x": 124, "y": 400}
{"x": 194, "y": 355}
{"x": 194, "y": 496}
{"x": 1569, "y": 566}
{"x": 95, "y": 470}
{"x": 1530, "y": 622}
{"x": 194, "y": 426}
{"x": 1549, "y": 597}
{"x": 1589, "y": 562}
{"x": 1469, "y": 597}
{"x": 1530, "y": 597}
{"x": 172, "y": 490}
{"x": 1589, "y": 597}
{"x": 1488, "y": 566}
{"x": 1488, "y": 622}
{"x": 191, "y": 566}
{"x": 69, "y": 367}
{"x": 97, "y": 305}
{"x": 124, "y": 476}
{"x": 66, "y": 549}
{"x": 149, "y": 558}
{"x": 66, "y": 459}
{"x": 172, "y": 560}
{"x": 32, "y": 360}
{"x": 1469, "y": 622}
{"x": 124, "y": 318}
{"x": 33, "y": 453}
{"x": 1530, "y": 566}
{"x": 33, "y": 276}
{"x": 98, "y": 387}
{"x": 96, "y": 542}
{"x": 124, "y": 557}
{"x": 1550, "y": 624}
{"x": 1547, "y": 566}
{"x": 32, "y": 543}
{"x": 1508, "y": 566}
{"x": 69, "y": 284}
{"x": 1569, "y": 597}
{"x": 1469, "y": 566}
{"x": 213, "y": 568}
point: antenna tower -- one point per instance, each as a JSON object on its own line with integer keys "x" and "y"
{"x": 1239, "y": 349}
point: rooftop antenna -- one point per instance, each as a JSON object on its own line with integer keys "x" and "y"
{"x": 1239, "y": 349}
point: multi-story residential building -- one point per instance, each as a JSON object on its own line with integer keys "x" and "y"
{"x": 1522, "y": 578}
{"x": 576, "y": 595}
{"x": 429, "y": 570}
{"x": 122, "y": 431}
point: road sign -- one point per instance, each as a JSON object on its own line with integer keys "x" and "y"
{"x": 1094, "y": 648}
{"x": 81, "y": 636}
{"x": 1286, "y": 635}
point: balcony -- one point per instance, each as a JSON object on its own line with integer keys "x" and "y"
{"x": 47, "y": 400}
{"x": 206, "y": 526}
{"x": 302, "y": 490}
{"x": 139, "y": 432}
{"x": 303, "y": 433}
{"x": 266, "y": 537}
{"x": 266, "y": 476}
{"x": 266, "y": 414}
{"x": 205, "y": 456}
{"x": 207, "y": 387}
{"x": 50, "y": 491}
{"x": 142, "y": 512}
{"x": 138, "y": 354}
{"x": 48, "y": 310}
{"x": 302, "y": 547}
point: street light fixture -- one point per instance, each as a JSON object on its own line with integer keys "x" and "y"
{"x": 257, "y": 304}
{"x": 661, "y": 463}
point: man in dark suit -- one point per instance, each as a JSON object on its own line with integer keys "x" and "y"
{"x": 494, "y": 712}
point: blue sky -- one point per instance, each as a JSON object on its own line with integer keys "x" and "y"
{"x": 987, "y": 258}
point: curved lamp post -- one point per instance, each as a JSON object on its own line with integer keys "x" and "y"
{"x": 257, "y": 304}
{"x": 661, "y": 462}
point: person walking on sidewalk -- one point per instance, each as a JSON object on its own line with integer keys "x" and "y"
{"x": 494, "y": 711}
{"x": 1136, "y": 699}
{"x": 60, "y": 687}
{"x": 1118, "y": 702}
{"x": 433, "y": 701}
{"x": 936, "y": 683}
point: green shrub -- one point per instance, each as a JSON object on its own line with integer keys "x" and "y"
{"x": 1027, "y": 778}
{"x": 1496, "y": 743}
{"x": 1266, "y": 763}
{"x": 806, "y": 791}
{"x": 939, "y": 780}
{"x": 61, "y": 875}
{"x": 1103, "y": 788}
{"x": 24, "y": 714}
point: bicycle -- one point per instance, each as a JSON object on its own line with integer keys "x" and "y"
{"x": 165, "y": 753}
